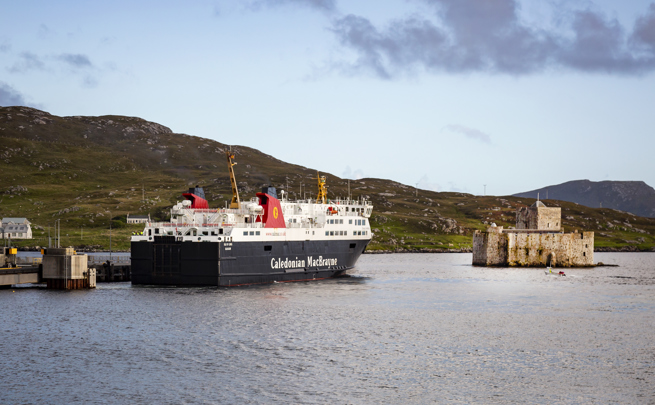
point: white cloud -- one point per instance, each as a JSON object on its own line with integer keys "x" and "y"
{"x": 348, "y": 173}
{"x": 470, "y": 133}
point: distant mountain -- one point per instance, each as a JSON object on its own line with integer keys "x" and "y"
{"x": 635, "y": 197}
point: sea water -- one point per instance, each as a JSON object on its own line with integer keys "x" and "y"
{"x": 405, "y": 328}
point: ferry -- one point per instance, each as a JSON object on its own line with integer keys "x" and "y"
{"x": 265, "y": 240}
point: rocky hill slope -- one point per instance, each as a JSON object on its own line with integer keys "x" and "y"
{"x": 636, "y": 197}
{"x": 90, "y": 172}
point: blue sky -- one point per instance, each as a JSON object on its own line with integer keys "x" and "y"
{"x": 449, "y": 94}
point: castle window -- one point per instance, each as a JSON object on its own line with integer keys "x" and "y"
{"x": 584, "y": 253}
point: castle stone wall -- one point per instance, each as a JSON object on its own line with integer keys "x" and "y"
{"x": 564, "y": 249}
{"x": 490, "y": 248}
{"x": 533, "y": 249}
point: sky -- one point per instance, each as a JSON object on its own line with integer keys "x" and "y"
{"x": 475, "y": 96}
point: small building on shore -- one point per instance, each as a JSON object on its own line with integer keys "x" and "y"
{"x": 16, "y": 228}
{"x": 536, "y": 241}
{"x": 138, "y": 219}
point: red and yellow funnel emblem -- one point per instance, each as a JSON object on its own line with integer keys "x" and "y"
{"x": 275, "y": 213}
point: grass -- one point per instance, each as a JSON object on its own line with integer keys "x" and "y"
{"x": 84, "y": 171}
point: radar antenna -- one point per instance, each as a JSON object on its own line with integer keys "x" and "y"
{"x": 236, "y": 203}
{"x": 321, "y": 197}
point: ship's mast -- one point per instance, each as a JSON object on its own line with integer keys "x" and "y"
{"x": 236, "y": 203}
{"x": 321, "y": 197}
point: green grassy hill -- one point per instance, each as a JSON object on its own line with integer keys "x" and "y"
{"x": 88, "y": 171}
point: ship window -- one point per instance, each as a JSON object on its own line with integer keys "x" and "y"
{"x": 156, "y": 231}
{"x": 206, "y": 233}
{"x": 363, "y": 222}
{"x": 331, "y": 233}
{"x": 350, "y": 221}
{"x": 359, "y": 233}
{"x": 252, "y": 233}
{"x": 327, "y": 233}
{"x": 341, "y": 221}
{"x": 149, "y": 232}
{"x": 245, "y": 233}
{"x": 353, "y": 245}
{"x": 268, "y": 248}
{"x": 257, "y": 233}
{"x": 341, "y": 233}
{"x": 220, "y": 231}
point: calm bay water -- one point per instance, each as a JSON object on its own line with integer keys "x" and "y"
{"x": 405, "y": 328}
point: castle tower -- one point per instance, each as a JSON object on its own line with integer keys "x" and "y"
{"x": 539, "y": 217}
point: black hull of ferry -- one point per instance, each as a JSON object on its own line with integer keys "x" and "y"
{"x": 167, "y": 261}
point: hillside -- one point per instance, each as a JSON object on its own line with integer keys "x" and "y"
{"x": 90, "y": 172}
{"x": 636, "y": 197}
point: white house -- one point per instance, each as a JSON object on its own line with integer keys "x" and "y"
{"x": 16, "y": 228}
{"x": 138, "y": 219}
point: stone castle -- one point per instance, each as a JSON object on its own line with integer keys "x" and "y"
{"x": 536, "y": 241}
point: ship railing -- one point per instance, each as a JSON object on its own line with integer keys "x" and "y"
{"x": 337, "y": 201}
{"x": 32, "y": 261}
{"x": 186, "y": 225}
{"x": 236, "y": 211}
{"x": 248, "y": 225}
{"x": 115, "y": 259}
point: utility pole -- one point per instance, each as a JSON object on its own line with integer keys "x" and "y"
{"x": 110, "y": 237}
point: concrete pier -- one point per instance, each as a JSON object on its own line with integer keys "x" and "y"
{"x": 64, "y": 269}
